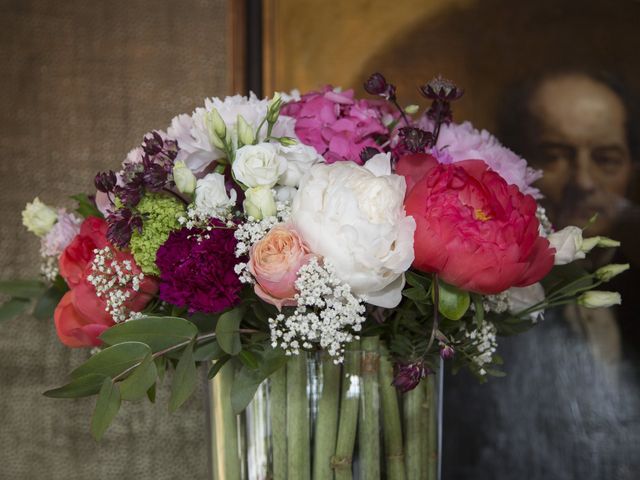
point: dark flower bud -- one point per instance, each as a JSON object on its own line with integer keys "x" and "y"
{"x": 446, "y": 351}
{"x": 377, "y": 85}
{"x": 440, "y": 88}
{"x": 120, "y": 227}
{"x": 367, "y": 153}
{"x": 152, "y": 143}
{"x": 130, "y": 195}
{"x": 407, "y": 376}
{"x": 105, "y": 181}
{"x": 415, "y": 139}
{"x": 154, "y": 176}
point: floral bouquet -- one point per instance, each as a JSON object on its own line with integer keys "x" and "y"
{"x": 320, "y": 254}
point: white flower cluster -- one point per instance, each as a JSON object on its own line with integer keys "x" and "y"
{"x": 49, "y": 267}
{"x": 485, "y": 342}
{"x": 546, "y": 228}
{"x": 253, "y": 230}
{"x": 195, "y": 219}
{"x": 327, "y": 314}
{"x": 114, "y": 282}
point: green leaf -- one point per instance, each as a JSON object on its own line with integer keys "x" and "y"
{"x": 157, "y": 332}
{"x": 13, "y": 308}
{"x": 47, "y": 303}
{"x": 215, "y": 368}
{"x": 184, "y": 380}
{"x": 107, "y": 407}
{"x": 245, "y": 384}
{"x": 479, "y": 314}
{"x": 227, "y": 331}
{"x": 22, "y": 288}
{"x": 416, "y": 280}
{"x": 86, "y": 207}
{"x": 79, "y": 387}
{"x": 151, "y": 393}
{"x": 248, "y": 359}
{"x": 113, "y": 360}
{"x": 161, "y": 367}
{"x": 417, "y": 294}
{"x": 135, "y": 386}
{"x": 453, "y": 303}
{"x": 208, "y": 351}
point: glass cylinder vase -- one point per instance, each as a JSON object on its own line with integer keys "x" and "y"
{"x": 314, "y": 419}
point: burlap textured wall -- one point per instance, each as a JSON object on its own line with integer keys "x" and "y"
{"x": 80, "y": 82}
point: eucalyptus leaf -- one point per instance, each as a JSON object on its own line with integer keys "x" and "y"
{"x": 227, "y": 331}
{"x": 157, "y": 332}
{"x": 245, "y": 384}
{"x": 416, "y": 280}
{"x": 248, "y": 359}
{"x": 417, "y": 294}
{"x": 453, "y": 303}
{"x": 113, "y": 360}
{"x": 208, "y": 351}
{"x": 107, "y": 408}
{"x": 184, "y": 380}
{"x": 80, "y": 387}
{"x": 47, "y": 303}
{"x": 151, "y": 393}
{"x": 215, "y": 368}
{"x": 161, "y": 367}
{"x": 135, "y": 386}
{"x": 13, "y": 308}
{"x": 22, "y": 288}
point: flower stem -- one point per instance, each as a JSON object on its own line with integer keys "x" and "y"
{"x": 298, "y": 454}
{"x": 369, "y": 425}
{"x": 225, "y": 426}
{"x": 327, "y": 420}
{"x": 415, "y": 435}
{"x": 431, "y": 416}
{"x": 347, "y": 425}
{"x": 391, "y": 426}
{"x": 278, "y": 408}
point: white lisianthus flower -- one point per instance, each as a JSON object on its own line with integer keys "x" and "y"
{"x": 599, "y": 299}
{"x": 38, "y": 217}
{"x": 285, "y": 194}
{"x": 259, "y": 203}
{"x": 184, "y": 178}
{"x": 354, "y": 217}
{"x": 258, "y": 165}
{"x": 212, "y": 199}
{"x": 521, "y": 298}
{"x": 568, "y": 245}
{"x": 300, "y": 158}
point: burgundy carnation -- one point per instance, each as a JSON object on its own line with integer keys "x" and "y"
{"x": 197, "y": 270}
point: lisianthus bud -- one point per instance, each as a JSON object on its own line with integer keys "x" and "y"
{"x": 599, "y": 299}
{"x": 38, "y": 217}
{"x": 273, "y": 111}
{"x": 607, "y": 272}
{"x": 259, "y": 203}
{"x": 184, "y": 178}
{"x": 287, "y": 141}
{"x": 215, "y": 125}
{"x": 408, "y": 375}
{"x": 245, "y": 132}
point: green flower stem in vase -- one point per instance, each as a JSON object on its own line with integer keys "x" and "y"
{"x": 415, "y": 432}
{"x": 225, "y": 426}
{"x": 369, "y": 425}
{"x": 348, "y": 423}
{"x": 278, "y": 409}
{"x": 391, "y": 423}
{"x": 327, "y": 419}
{"x": 432, "y": 429}
{"x": 298, "y": 446}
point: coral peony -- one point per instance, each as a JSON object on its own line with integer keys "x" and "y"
{"x": 472, "y": 228}
{"x": 337, "y": 125}
{"x": 78, "y": 328}
{"x": 275, "y": 261}
{"x": 79, "y": 253}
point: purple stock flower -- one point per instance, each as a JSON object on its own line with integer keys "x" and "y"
{"x": 197, "y": 269}
{"x": 407, "y": 376}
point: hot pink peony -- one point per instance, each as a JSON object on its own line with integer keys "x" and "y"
{"x": 337, "y": 125}
{"x": 275, "y": 261}
{"x": 473, "y": 229}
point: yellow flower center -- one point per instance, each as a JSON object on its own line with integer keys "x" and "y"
{"x": 480, "y": 215}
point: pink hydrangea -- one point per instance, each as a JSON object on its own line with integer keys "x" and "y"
{"x": 61, "y": 235}
{"x": 337, "y": 125}
{"x": 457, "y": 142}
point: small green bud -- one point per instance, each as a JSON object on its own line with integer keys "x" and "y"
{"x": 215, "y": 124}
{"x": 287, "y": 141}
{"x": 245, "y": 132}
{"x": 273, "y": 110}
{"x": 599, "y": 299}
{"x": 607, "y": 272}
{"x": 590, "y": 243}
{"x": 411, "y": 109}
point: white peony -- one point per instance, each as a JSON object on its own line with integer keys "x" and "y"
{"x": 568, "y": 245}
{"x": 212, "y": 199}
{"x": 38, "y": 217}
{"x": 259, "y": 165}
{"x": 354, "y": 217}
{"x": 300, "y": 158}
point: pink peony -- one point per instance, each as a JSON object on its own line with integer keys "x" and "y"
{"x": 472, "y": 228}
{"x": 337, "y": 125}
{"x": 275, "y": 261}
{"x": 61, "y": 235}
{"x": 464, "y": 142}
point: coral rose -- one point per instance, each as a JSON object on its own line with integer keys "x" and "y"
{"x": 79, "y": 253}
{"x": 275, "y": 261}
{"x": 472, "y": 228}
{"x": 81, "y": 328}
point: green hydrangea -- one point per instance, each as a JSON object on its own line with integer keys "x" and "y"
{"x": 160, "y": 214}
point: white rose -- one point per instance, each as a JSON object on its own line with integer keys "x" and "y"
{"x": 38, "y": 217}
{"x": 300, "y": 158}
{"x": 211, "y": 196}
{"x": 258, "y": 165}
{"x": 259, "y": 203}
{"x": 354, "y": 217}
{"x": 568, "y": 245}
{"x": 521, "y": 298}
